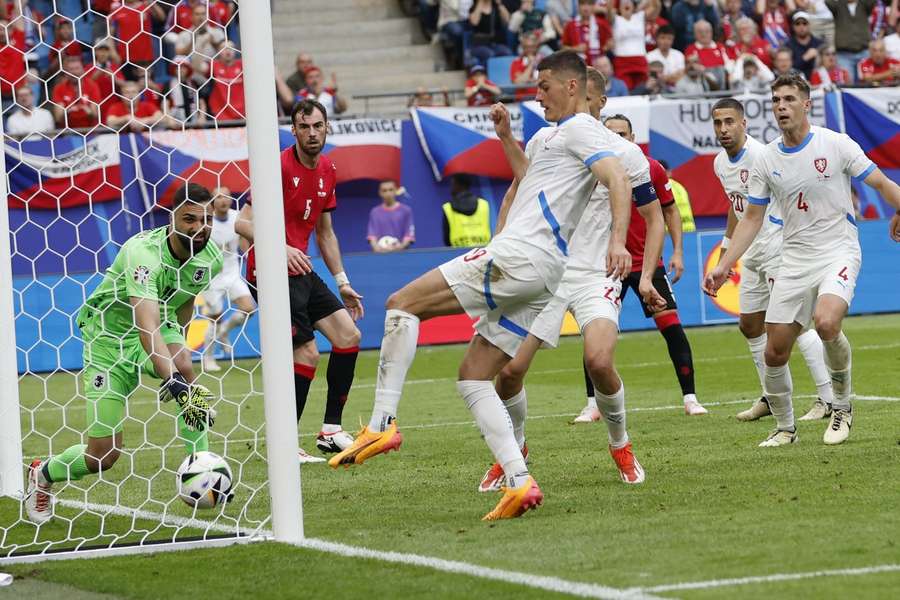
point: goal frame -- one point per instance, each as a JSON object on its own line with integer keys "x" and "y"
{"x": 274, "y": 309}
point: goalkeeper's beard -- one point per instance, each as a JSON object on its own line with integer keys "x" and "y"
{"x": 193, "y": 243}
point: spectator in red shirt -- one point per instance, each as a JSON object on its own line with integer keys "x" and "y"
{"x": 746, "y": 41}
{"x": 226, "y": 101}
{"x": 774, "y": 17}
{"x": 105, "y": 72}
{"x": 12, "y": 57}
{"x": 132, "y": 24}
{"x": 200, "y": 42}
{"x": 481, "y": 91}
{"x": 129, "y": 112}
{"x": 713, "y": 55}
{"x": 523, "y": 70}
{"x": 65, "y": 43}
{"x": 76, "y": 98}
{"x": 730, "y": 16}
{"x": 829, "y": 73}
{"x": 327, "y": 96}
{"x": 587, "y": 34}
{"x": 879, "y": 68}
{"x": 653, "y": 22}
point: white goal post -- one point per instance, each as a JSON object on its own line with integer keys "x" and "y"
{"x": 284, "y": 520}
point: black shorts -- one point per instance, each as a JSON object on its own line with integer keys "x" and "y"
{"x": 311, "y": 301}
{"x": 660, "y": 282}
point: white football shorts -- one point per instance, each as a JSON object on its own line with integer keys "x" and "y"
{"x": 230, "y": 287}
{"x": 755, "y": 290}
{"x": 505, "y": 298}
{"x": 799, "y": 286}
{"x": 588, "y": 295}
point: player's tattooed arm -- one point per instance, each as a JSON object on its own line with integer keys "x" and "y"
{"x": 672, "y": 219}
{"x": 331, "y": 254}
{"x": 147, "y": 321}
{"x": 518, "y": 162}
{"x": 744, "y": 234}
{"x": 890, "y": 191}
{"x": 612, "y": 176}
{"x": 505, "y": 206}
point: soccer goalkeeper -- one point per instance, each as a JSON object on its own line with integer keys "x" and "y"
{"x": 134, "y": 322}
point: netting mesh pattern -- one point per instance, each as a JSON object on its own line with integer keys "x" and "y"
{"x": 109, "y": 108}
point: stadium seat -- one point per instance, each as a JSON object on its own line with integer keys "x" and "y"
{"x": 498, "y": 70}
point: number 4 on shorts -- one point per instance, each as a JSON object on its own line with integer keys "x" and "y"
{"x": 843, "y": 274}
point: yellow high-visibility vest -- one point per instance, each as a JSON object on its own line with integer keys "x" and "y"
{"x": 683, "y": 202}
{"x": 467, "y": 231}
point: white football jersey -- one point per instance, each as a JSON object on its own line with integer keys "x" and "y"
{"x": 590, "y": 242}
{"x": 553, "y": 195}
{"x": 224, "y": 236}
{"x": 810, "y": 185}
{"x": 734, "y": 174}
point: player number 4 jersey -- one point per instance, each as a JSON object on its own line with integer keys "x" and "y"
{"x": 553, "y": 195}
{"x": 146, "y": 268}
{"x": 810, "y": 184}
{"x": 734, "y": 174}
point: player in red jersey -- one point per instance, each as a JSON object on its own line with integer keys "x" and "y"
{"x": 666, "y": 320}
{"x": 308, "y": 188}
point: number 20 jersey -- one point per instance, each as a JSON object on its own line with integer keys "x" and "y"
{"x": 734, "y": 174}
{"x": 810, "y": 183}
{"x": 306, "y": 193}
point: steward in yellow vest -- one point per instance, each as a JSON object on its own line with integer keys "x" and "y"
{"x": 467, "y": 218}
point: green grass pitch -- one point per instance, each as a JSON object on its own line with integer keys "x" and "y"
{"x": 714, "y": 506}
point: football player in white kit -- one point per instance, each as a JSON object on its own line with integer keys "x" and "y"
{"x": 806, "y": 173}
{"x": 591, "y": 294}
{"x": 759, "y": 268}
{"x": 228, "y": 286}
{"x": 509, "y": 281}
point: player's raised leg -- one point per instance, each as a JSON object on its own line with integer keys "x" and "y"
{"x": 426, "y": 297}
{"x": 779, "y": 387}
{"x": 828, "y": 316}
{"x": 810, "y": 345}
{"x": 344, "y": 336}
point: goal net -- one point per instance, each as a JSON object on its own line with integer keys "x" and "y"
{"x": 107, "y": 109}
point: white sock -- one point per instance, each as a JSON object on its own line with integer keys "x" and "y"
{"x": 757, "y": 351}
{"x": 328, "y": 428}
{"x": 398, "y": 348}
{"x": 592, "y": 401}
{"x": 209, "y": 340}
{"x": 837, "y": 359}
{"x": 778, "y": 392}
{"x": 613, "y": 410}
{"x": 688, "y": 398}
{"x": 517, "y": 407}
{"x": 810, "y": 345}
{"x": 235, "y": 320}
{"x": 496, "y": 427}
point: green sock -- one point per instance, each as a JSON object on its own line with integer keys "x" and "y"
{"x": 68, "y": 466}
{"x": 194, "y": 441}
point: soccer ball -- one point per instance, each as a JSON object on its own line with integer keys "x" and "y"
{"x": 387, "y": 241}
{"x": 204, "y": 480}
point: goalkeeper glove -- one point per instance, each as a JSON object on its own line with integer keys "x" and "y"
{"x": 193, "y": 400}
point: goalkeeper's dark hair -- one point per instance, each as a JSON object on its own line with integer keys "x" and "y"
{"x": 191, "y": 191}
{"x": 306, "y": 107}
{"x": 620, "y": 117}
{"x": 726, "y": 103}
{"x": 566, "y": 64}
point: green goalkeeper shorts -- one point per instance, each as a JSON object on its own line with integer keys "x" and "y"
{"x": 112, "y": 371}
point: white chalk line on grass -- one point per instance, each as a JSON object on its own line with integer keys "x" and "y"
{"x": 716, "y": 583}
{"x": 551, "y": 584}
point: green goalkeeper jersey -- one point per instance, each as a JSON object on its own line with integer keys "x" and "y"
{"x": 146, "y": 268}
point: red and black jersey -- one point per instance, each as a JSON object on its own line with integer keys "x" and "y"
{"x": 637, "y": 229}
{"x": 307, "y": 193}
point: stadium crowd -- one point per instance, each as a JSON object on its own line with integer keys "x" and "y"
{"x": 674, "y": 46}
